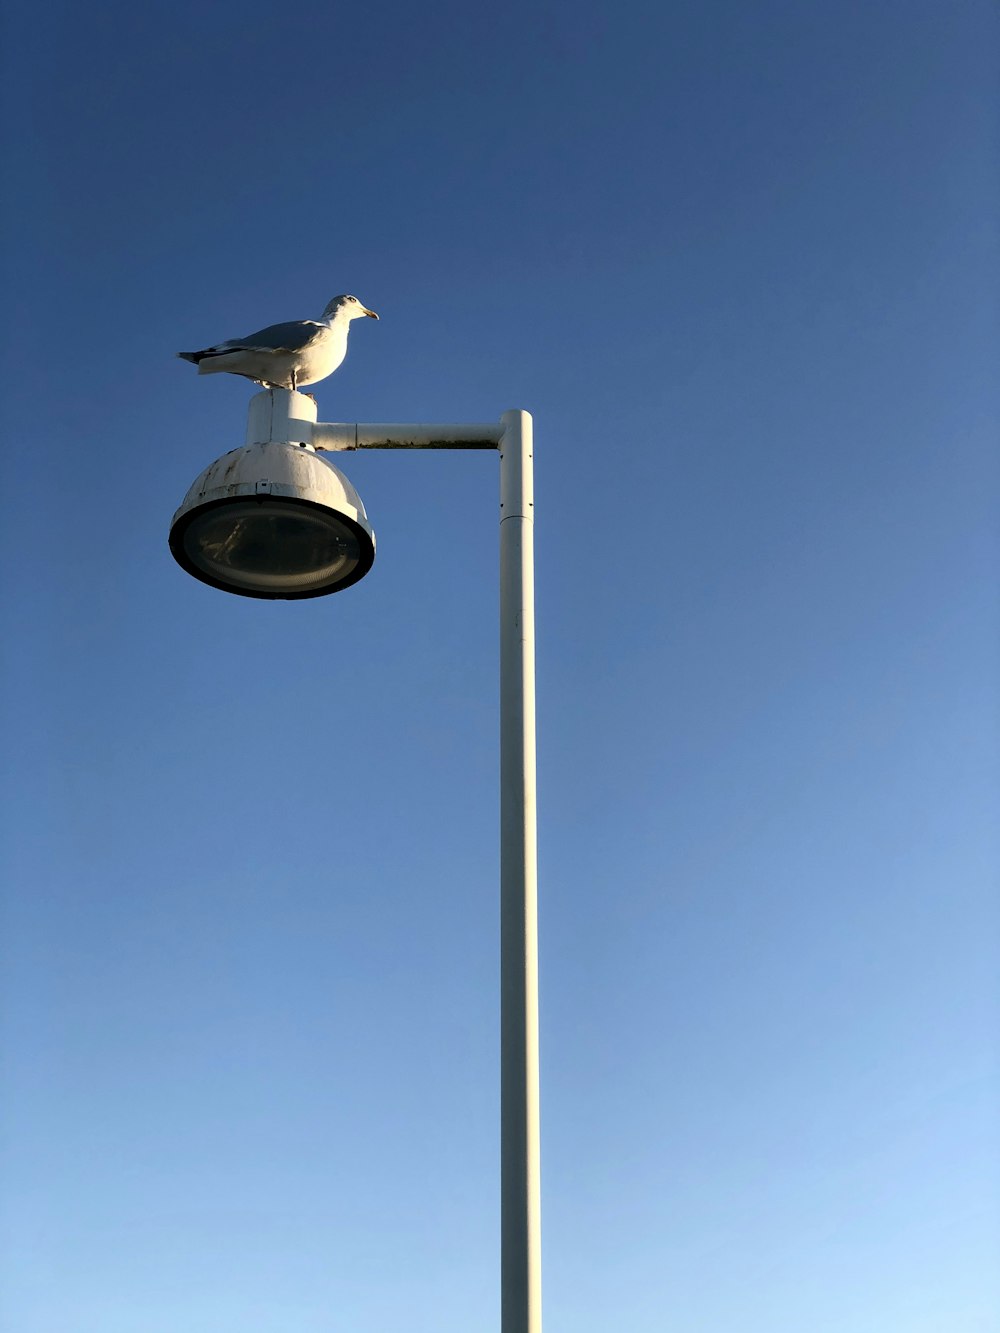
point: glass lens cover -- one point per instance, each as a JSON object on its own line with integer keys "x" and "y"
{"x": 272, "y": 547}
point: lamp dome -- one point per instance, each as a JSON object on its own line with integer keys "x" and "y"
{"x": 276, "y": 521}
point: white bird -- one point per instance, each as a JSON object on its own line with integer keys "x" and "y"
{"x": 286, "y": 356}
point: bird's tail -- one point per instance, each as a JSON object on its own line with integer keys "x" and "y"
{"x": 193, "y": 357}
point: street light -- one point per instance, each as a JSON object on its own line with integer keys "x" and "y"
{"x": 274, "y": 520}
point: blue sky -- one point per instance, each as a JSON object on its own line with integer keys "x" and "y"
{"x": 740, "y": 264}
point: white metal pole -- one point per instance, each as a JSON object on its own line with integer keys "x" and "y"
{"x": 282, "y": 417}
{"x": 520, "y": 1184}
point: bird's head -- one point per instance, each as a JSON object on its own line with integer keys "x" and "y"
{"x": 347, "y": 307}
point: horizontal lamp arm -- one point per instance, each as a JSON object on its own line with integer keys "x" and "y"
{"x": 381, "y": 435}
{"x": 283, "y": 416}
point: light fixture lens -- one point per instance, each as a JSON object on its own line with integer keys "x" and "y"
{"x": 273, "y": 548}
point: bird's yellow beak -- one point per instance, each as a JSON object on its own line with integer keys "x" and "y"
{"x": 371, "y": 314}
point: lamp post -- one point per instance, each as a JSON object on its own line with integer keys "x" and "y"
{"x": 274, "y": 520}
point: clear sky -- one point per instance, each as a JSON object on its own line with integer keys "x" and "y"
{"x": 739, "y": 261}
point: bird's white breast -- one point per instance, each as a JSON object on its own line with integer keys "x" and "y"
{"x": 323, "y": 355}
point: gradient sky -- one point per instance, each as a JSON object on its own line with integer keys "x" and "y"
{"x": 740, "y": 263}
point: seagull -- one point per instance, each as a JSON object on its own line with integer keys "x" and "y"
{"x": 283, "y": 356}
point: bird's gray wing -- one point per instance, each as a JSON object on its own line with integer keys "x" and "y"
{"x": 294, "y": 336}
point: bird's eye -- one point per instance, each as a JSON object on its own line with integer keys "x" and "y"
{"x": 354, "y": 299}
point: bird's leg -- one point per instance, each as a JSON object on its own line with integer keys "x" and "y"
{"x": 294, "y": 378}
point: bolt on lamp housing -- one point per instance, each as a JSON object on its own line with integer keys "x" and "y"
{"x": 273, "y": 520}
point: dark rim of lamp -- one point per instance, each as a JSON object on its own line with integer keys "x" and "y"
{"x": 325, "y": 549}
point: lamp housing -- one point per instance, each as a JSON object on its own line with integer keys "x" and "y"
{"x": 273, "y": 520}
